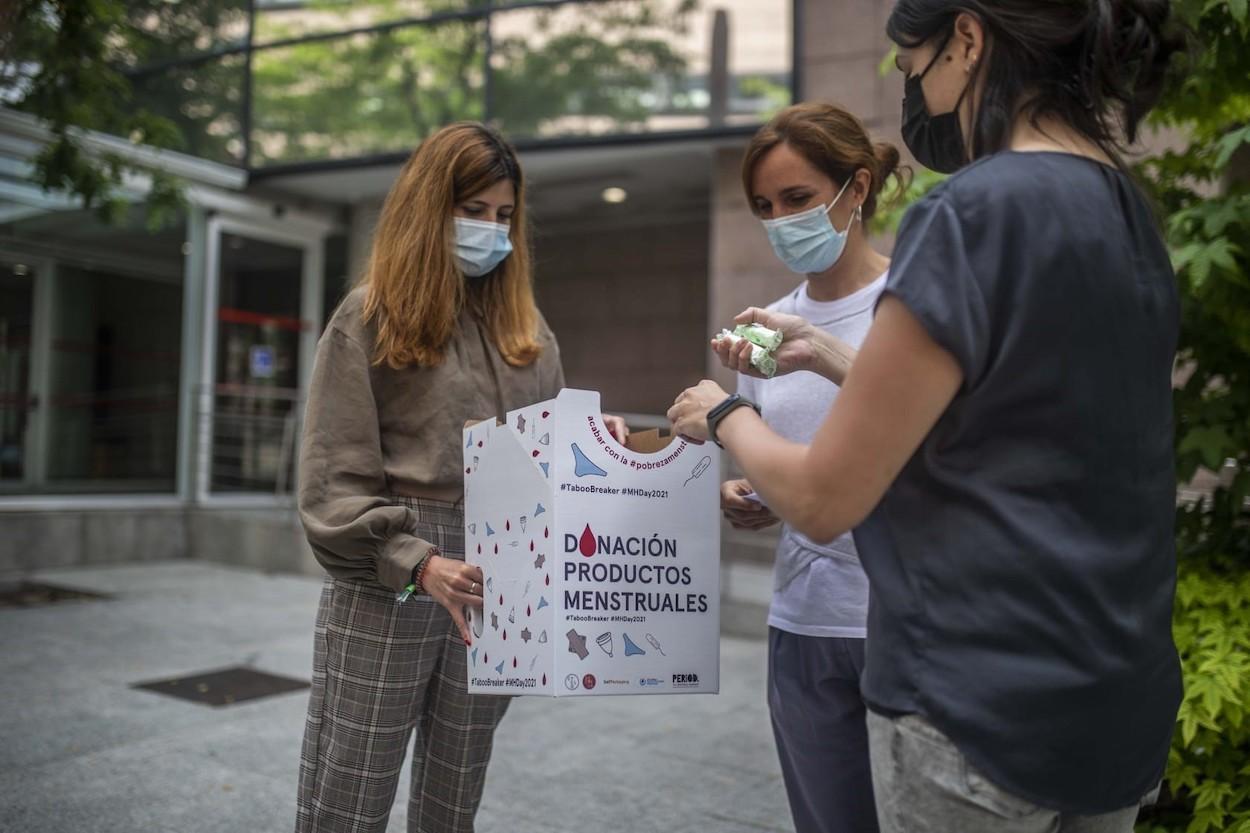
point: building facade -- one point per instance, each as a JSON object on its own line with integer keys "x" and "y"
{"x": 151, "y": 382}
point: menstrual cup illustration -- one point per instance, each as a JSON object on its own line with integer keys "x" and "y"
{"x": 546, "y": 469}
{"x": 477, "y": 621}
{"x": 512, "y": 615}
{"x": 577, "y": 644}
{"x": 473, "y": 529}
{"x": 474, "y": 655}
{"x": 699, "y": 468}
{"x": 542, "y": 602}
{"x": 655, "y": 644}
{"x": 632, "y": 650}
{"x": 523, "y": 520}
{"x": 532, "y": 661}
{"x": 489, "y": 531}
{"x": 526, "y": 592}
{"x": 539, "y": 510}
{"x": 499, "y": 667}
{"x": 545, "y": 439}
{"x": 604, "y": 641}
{"x": 469, "y": 444}
{"x": 583, "y": 467}
{"x": 542, "y": 638}
{"x": 490, "y": 584}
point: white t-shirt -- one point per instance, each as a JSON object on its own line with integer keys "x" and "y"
{"x": 819, "y": 590}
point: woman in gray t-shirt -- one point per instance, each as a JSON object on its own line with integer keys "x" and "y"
{"x": 813, "y": 176}
{"x": 1003, "y": 443}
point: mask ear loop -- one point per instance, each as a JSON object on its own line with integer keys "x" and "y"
{"x": 959, "y": 101}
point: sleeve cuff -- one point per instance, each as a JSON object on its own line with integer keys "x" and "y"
{"x": 397, "y": 558}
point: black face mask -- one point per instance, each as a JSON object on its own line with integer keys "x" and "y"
{"x": 937, "y": 142}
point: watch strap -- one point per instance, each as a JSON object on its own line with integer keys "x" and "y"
{"x": 728, "y": 406}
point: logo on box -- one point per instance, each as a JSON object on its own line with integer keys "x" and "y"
{"x": 588, "y": 682}
{"x": 650, "y": 682}
{"x": 685, "y": 681}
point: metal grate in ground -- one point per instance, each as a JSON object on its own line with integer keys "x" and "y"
{"x": 37, "y": 594}
{"x": 224, "y": 687}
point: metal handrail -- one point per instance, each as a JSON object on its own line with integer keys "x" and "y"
{"x": 252, "y": 448}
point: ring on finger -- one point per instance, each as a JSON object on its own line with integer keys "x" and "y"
{"x": 472, "y": 588}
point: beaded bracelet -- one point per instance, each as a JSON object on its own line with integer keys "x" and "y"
{"x": 418, "y": 576}
{"x": 421, "y": 568}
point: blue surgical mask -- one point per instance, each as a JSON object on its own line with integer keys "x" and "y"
{"x": 480, "y": 245}
{"x": 807, "y": 242}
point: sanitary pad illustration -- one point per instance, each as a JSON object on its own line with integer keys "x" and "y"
{"x": 583, "y": 467}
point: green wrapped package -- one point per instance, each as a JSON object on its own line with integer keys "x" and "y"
{"x": 758, "y": 334}
{"x": 761, "y": 358}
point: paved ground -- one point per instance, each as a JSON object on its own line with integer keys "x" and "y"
{"x": 82, "y": 751}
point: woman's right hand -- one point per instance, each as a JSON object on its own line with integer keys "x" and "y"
{"x": 803, "y": 347}
{"x": 797, "y": 350}
{"x": 454, "y": 584}
{"x": 740, "y": 512}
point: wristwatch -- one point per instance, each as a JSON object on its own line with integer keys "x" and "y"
{"x": 718, "y": 413}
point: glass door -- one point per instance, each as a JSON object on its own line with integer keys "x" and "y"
{"x": 17, "y": 402}
{"x": 263, "y": 321}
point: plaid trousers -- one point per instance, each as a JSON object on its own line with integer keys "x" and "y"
{"x": 381, "y": 669}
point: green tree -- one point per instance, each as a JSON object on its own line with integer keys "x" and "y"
{"x": 150, "y": 70}
{"x": 1204, "y": 191}
{"x": 384, "y": 91}
{"x": 66, "y": 62}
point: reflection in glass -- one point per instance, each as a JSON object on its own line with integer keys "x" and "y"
{"x": 16, "y": 311}
{"x": 648, "y": 66}
{"x": 204, "y": 101}
{"x": 104, "y": 359}
{"x": 256, "y": 396}
{"x": 365, "y": 94}
{"x": 278, "y": 20}
{"x": 113, "y": 405}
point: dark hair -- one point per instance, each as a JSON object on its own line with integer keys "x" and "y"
{"x": 1099, "y": 65}
{"x": 833, "y": 140}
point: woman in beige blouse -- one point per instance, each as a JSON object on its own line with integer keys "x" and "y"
{"x": 443, "y": 329}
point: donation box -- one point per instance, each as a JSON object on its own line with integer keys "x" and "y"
{"x": 601, "y": 561}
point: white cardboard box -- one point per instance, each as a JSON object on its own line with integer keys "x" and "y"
{"x": 601, "y": 562}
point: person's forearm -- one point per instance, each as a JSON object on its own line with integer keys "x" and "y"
{"x": 779, "y": 471}
{"x": 833, "y": 356}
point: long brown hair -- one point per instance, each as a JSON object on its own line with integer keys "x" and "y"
{"x": 832, "y": 140}
{"x": 415, "y": 292}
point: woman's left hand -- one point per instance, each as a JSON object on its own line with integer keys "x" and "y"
{"x": 689, "y": 412}
{"x": 616, "y": 427}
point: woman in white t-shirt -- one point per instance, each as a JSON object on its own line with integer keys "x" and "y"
{"x": 813, "y": 176}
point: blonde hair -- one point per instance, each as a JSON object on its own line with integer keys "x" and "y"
{"x": 415, "y": 292}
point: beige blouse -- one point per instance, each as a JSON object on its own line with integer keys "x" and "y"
{"x": 371, "y": 431}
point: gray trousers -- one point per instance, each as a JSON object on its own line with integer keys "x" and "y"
{"x": 925, "y": 785}
{"x": 818, "y": 721}
{"x": 380, "y": 671}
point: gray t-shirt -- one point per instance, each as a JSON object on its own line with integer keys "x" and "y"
{"x": 1022, "y": 564}
{"x": 818, "y": 589}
